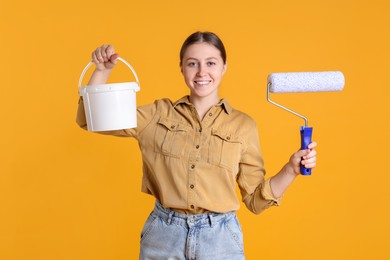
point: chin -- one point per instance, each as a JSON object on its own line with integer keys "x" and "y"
{"x": 203, "y": 94}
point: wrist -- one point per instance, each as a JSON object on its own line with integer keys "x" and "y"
{"x": 99, "y": 76}
{"x": 103, "y": 70}
{"x": 291, "y": 170}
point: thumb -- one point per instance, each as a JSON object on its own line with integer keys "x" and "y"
{"x": 298, "y": 156}
{"x": 113, "y": 58}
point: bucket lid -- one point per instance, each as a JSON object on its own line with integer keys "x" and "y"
{"x": 112, "y": 87}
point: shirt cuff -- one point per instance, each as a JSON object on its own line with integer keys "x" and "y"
{"x": 267, "y": 194}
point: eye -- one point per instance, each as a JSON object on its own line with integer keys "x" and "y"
{"x": 192, "y": 64}
{"x": 211, "y": 63}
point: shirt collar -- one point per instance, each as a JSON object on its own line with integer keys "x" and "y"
{"x": 223, "y": 102}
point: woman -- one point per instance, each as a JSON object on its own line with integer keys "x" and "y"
{"x": 194, "y": 151}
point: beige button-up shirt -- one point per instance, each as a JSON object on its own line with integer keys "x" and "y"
{"x": 192, "y": 165}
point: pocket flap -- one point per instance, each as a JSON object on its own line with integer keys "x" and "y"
{"x": 228, "y": 137}
{"x": 172, "y": 125}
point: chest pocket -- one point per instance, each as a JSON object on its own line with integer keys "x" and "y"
{"x": 170, "y": 137}
{"x": 225, "y": 150}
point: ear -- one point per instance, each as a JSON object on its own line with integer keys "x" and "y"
{"x": 224, "y": 68}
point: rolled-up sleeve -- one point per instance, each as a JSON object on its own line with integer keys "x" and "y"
{"x": 255, "y": 189}
{"x": 266, "y": 193}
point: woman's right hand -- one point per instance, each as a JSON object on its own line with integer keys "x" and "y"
{"x": 104, "y": 57}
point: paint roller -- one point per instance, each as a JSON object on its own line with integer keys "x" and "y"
{"x": 296, "y": 82}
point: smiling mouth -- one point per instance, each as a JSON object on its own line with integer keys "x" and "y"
{"x": 202, "y": 82}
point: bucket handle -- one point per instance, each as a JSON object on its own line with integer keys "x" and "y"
{"x": 119, "y": 58}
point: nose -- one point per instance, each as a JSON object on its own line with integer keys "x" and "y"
{"x": 202, "y": 70}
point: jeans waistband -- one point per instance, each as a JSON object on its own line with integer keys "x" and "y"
{"x": 206, "y": 219}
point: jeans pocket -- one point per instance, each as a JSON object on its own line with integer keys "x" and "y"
{"x": 235, "y": 232}
{"x": 151, "y": 221}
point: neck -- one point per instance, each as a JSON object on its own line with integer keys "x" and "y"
{"x": 203, "y": 104}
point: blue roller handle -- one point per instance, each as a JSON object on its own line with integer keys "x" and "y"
{"x": 306, "y": 133}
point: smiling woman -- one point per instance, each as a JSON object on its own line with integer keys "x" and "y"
{"x": 203, "y": 63}
{"x": 203, "y": 68}
{"x": 194, "y": 151}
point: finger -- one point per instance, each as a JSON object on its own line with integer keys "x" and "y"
{"x": 98, "y": 54}
{"x": 301, "y": 153}
{"x": 110, "y": 51}
{"x": 104, "y": 52}
{"x": 94, "y": 58}
{"x": 310, "y": 154}
{"x": 113, "y": 58}
{"x": 310, "y": 160}
{"x": 309, "y": 164}
{"x": 312, "y": 145}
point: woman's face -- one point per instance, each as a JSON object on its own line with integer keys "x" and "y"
{"x": 203, "y": 68}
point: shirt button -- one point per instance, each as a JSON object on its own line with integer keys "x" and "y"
{"x": 173, "y": 126}
{"x": 197, "y": 147}
{"x": 228, "y": 138}
{"x": 210, "y": 114}
{"x": 192, "y": 206}
{"x": 192, "y": 166}
{"x": 192, "y": 186}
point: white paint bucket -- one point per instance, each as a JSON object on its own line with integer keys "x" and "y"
{"x": 110, "y": 106}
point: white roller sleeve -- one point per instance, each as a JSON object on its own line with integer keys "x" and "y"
{"x": 290, "y": 82}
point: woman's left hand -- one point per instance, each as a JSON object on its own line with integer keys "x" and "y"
{"x": 307, "y": 157}
{"x": 281, "y": 181}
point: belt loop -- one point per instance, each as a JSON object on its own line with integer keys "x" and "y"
{"x": 170, "y": 217}
{"x": 211, "y": 220}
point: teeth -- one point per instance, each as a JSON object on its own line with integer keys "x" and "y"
{"x": 202, "y": 82}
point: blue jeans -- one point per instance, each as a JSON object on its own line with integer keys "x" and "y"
{"x": 171, "y": 235}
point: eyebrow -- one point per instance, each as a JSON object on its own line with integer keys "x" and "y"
{"x": 209, "y": 58}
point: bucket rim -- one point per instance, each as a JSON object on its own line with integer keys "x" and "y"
{"x": 111, "y": 87}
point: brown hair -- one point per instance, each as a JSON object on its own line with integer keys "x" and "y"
{"x": 208, "y": 37}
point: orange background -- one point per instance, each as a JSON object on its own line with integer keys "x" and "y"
{"x": 69, "y": 194}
